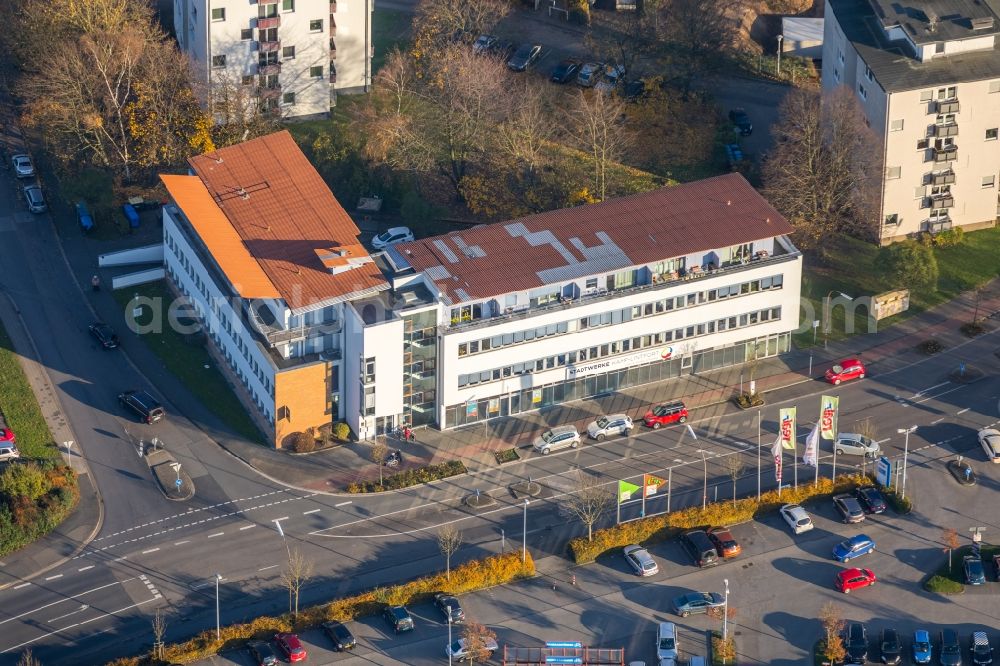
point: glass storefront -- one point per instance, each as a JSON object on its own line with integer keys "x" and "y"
{"x": 609, "y": 382}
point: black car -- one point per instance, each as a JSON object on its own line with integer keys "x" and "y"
{"x": 144, "y": 405}
{"x": 974, "y": 572}
{"x": 450, "y": 608}
{"x": 741, "y": 120}
{"x": 982, "y": 651}
{"x": 700, "y": 548}
{"x": 104, "y": 335}
{"x": 262, "y": 653}
{"x": 340, "y": 635}
{"x": 856, "y": 643}
{"x": 951, "y": 651}
{"x": 634, "y": 90}
{"x": 892, "y": 648}
{"x": 565, "y": 71}
{"x": 523, "y": 58}
{"x": 871, "y": 499}
{"x": 398, "y": 618}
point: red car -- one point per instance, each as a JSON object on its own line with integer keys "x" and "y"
{"x": 851, "y": 368}
{"x": 290, "y": 645}
{"x": 725, "y": 544}
{"x": 665, "y": 414}
{"x": 850, "y": 579}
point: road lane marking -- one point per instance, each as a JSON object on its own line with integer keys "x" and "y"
{"x": 18, "y": 587}
{"x": 278, "y": 520}
{"x": 151, "y": 550}
{"x": 962, "y": 411}
{"x": 75, "y": 596}
{"x": 78, "y": 610}
{"x": 181, "y": 543}
{"x": 246, "y": 527}
{"x": 936, "y": 421}
{"x": 344, "y": 503}
{"x": 85, "y": 568}
{"x": 306, "y": 513}
{"x": 266, "y": 568}
{"x": 54, "y": 577}
{"x": 212, "y": 536}
{"x": 79, "y": 624}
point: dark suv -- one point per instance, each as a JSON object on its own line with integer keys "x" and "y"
{"x": 398, "y": 618}
{"x": 144, "y": 405}
{"x": 856, "y": 643}
{"x": 700, "y": 548}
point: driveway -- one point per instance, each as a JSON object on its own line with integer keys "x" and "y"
{"x": 759, "y": 98}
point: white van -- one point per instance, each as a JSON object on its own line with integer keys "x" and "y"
{"x": 666, "y": 641}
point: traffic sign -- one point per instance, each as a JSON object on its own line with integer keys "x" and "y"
{"x": 178, "y": 483}
{"x": 883, "y": 471}
{"x": 563, "y": 644}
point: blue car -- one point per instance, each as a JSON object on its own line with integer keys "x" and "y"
{"x": 921, "y": 647}
{"x": 856, "y": 546}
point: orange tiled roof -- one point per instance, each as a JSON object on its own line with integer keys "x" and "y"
{"x": 288, "y": 221}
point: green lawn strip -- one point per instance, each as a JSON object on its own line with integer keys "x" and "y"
{"x": 192, "y": 364}
{"x": 952, "y": 580}
{"x": 19, "y": 406}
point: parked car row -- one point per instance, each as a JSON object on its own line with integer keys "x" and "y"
{"x": 890, "y": 646}
{"x": 32, "y": 192}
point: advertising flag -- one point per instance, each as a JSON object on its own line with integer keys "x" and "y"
{"x": 625, "y": 490}
{"x": 777, "y": 453}
{"x": 652, "y": 484}
{"x": 786, "y": 421}
{"x": 811, "y": 455}
{"x": 829, "y": 407}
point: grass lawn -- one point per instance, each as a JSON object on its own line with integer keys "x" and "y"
{"x": 192, "y": 364}
{"x": 389, "y": 28}
{"x": 849, "y": 269}
{"x": 20, "y": 407}
{"x": 952, "y": 580}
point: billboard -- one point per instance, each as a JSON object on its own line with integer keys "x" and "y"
{"x": 890, "y": 303}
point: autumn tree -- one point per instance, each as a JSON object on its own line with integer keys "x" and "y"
{"x": 28, "y": 659}
{"x": 378, "y": 453}
{"x": 524, "y": 133}
{"x": 158, "y": 624}
{"x": 869, "y": 429}
{"x": 824, "y": 171}
{"x": 438, "y": 22}
{"x": 297, "y": 572}
{"x": 449, "y": 540}
{"x": 589, "y": 500}
{"x": 833, "y": 628}
{"x": 951, "y": 542}
{"x": 480, "y": 641}
{"x": 735, "y": 467}
{"x": 596, "y": 125}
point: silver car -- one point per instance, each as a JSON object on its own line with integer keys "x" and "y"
{"x": 560, "y": 437}
{"x": 615, "y": 424}
{"x": 641, "y": 561}
{"x": 36, "y": 200}
{"x": 23, "y": 167}
{"x": 853, "y": 444}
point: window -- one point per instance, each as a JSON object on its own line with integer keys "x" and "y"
{"x": 219, "y": 14}
{"x": 288, "y": 5}
{"x": 950, "y": 92}
{"x": 862, "y": 92}
{"x": 892, "y": 172}
{"x": 246, "y": 34}
{"x": 287, "y": 52}
{"x": 939, "y": 47}
{"x": 896, "y": 126}
{"x": 269, "y": 10}
{"x": 926, "y": 95}
{"x": 922, "y": 144}
{"x": 991, "y": 134}
{"x": 247, "y": 80}
{"x": 836, "y": 74}
{"x": 994, "y": 86}
{"x": 288, "y": 98}
{"x": 591, "y": 283}
{"x": 316, "y": 26}
{"x": 624, "y": 279}
{"x": 868, "y": 73}
{"x": 840, "y": 56}
{"x": 316, "y": 72}
{"x": 219, "y": 61}
{"x": 989, "y": 181}
{"x": 920, "y": 192}
{"x": 892, "y": 220}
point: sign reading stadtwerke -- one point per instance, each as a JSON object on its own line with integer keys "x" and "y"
{"x": 617, "y": 362}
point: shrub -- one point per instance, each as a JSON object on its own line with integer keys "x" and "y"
{"x": 747, "y": 400}
{"x": 341, "y": 431}
{"x": 899, "y": 504}
{"x": 942, "y": 585}
{"x": 723, "y": 652}
{"x": 24, "y": 519}
{"x": 668, "y": 525}
{"x": 973, "y": 329}
{"x": 410, "y": 477}
{"x": 303, "y": 442}
{"x": 474, "y": 575}
{"x": 930, "y": 346}
{"x": 907, "y": 265}
{"x": 949, "y": 237}
{"x": 23, "y": 481}
{"x": 579, "y": 11}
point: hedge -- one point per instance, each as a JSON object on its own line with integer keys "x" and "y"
{"x": 668, "y": 525}
{"x": 475, "y": 575}
{"x": 410, "y": 477}
{"x": 23, "y": 520}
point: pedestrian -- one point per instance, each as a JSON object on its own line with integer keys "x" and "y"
{"x": 95, "y": 283}
{"x": 407, "y": 433}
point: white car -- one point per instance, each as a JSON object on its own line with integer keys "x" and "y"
{"x": 641, "y": 561}
{"x": 853, "y": 444}
{"x": 23, "y": 167}
{"x": 459, "y": 649}
{"x": 589, "y": 74}
{"x": 666, "y": 641}
{"x": 989, "y": 439}
{"x": 615, "y": 424}
{"x": 391, "y": 237}
{"x": 797, "y": 518}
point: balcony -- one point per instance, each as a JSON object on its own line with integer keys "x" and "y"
{"x": 269, "y": 70}
{"x": 267, "y": 23}
{"x": 940, "y": 201}
{"x": 264, "y": 323}
{"x": 333, "y": 50}
{"x": 333, "y": 76}
{"x": 333, "y": 6}
{"x": 941, "y": 131}
{"x": 948, "y": 154}
{"x": 333, "y": 27}
{"x": 946, "y": 178}
{"x": 272, "y": 91}
{"x": 947, "y": 107}
{"x": 269, "y": 47}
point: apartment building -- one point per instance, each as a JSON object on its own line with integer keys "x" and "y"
{"x": 927, "y": 74}
{"x": 492, "y": 321}
{"x": 292, "y": 56}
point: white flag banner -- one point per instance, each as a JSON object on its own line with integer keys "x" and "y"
{"x": 811, "y": 455}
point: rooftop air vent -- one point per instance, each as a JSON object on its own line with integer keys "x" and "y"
{"x": 982, "y": 23}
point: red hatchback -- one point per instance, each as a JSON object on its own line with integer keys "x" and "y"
{"x": 665, "y": 414}
{"x": 291, "y": 647}
{"x": 850, "y": 579}
{"x": 851, "y": 368}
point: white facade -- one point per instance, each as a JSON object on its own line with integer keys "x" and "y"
{"x": 294, "y": 55}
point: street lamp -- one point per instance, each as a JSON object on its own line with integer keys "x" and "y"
{"x": 906, "y": 452}
{"x": 725, "y": 612}
{"x": 218, "y": 627}
{"x": 524, "y": 534}
{"x": 780, "y": 37}
{"x": 449, "y": 635}
{"x": 828, "y": 314}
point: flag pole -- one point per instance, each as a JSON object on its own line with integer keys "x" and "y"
{"x": 670, "y": 485}
{"x": 618, "y": 519}
{"x": 795, "y": 460}
{"x": 643, "y": 510}
{"x": 758, "y": 455}
{"x": 819, "y": 438}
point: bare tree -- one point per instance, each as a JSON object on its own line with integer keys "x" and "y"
{"x": 589, "y": 500}
{"x": 825, "y": 169}
{"x": 159, "y": 626}
{"x": 523, "y": 135}
{"x": 479, "y": 641}
{"x": 951, "y": 542}
{"x": 298, "y": 571}
{"x": 701, "y": 32}
{"x": 28, "y": 659}
{"x": 866, "y": 428}
{"x": 378, "y": 453}
{"x": 595, "y": 123}
{"x": 440, "y": 21}
{"x": 238, "y": 109}
{"x": 735, "y": 467}
{"x": 833, "y": 627}
{"x": 449, "y": 540}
